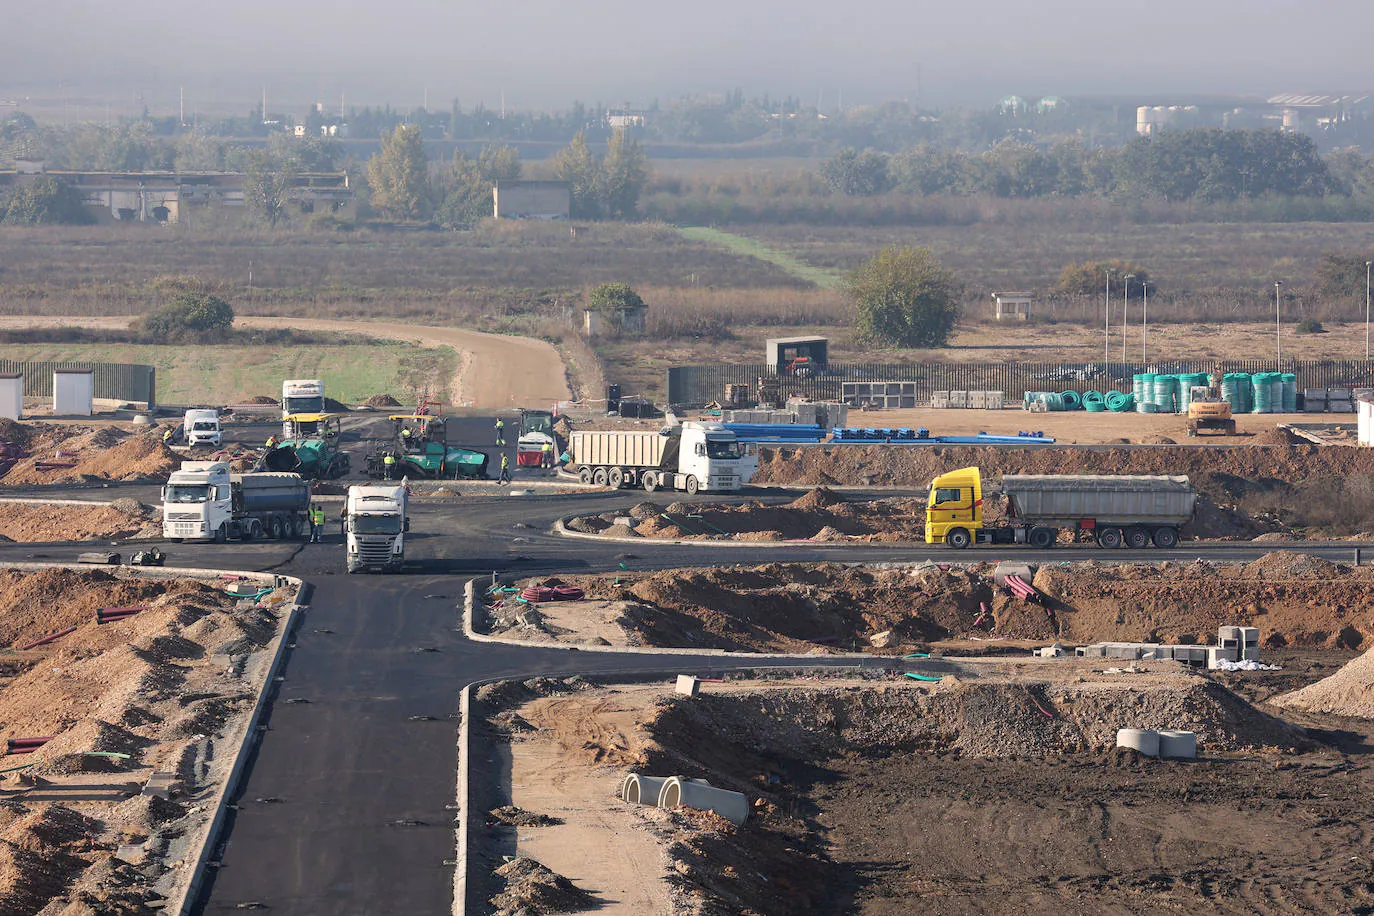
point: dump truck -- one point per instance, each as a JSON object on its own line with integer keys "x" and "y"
{"x": 1129, "y": 511}
{"x": 375, "y": 524}
{"x": 204, "y": 501}
{"x": 691, "y": 456}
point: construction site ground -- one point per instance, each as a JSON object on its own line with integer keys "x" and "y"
{"x": 996, "y": 790}
{"x": 1297, "y": 601}
{"x": 168, "y": 690}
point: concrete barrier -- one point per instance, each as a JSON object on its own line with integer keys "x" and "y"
{"x": 697, "y": 793}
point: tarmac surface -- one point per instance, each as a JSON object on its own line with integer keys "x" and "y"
{"x": 348, "y": 803}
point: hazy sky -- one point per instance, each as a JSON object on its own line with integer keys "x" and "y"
{"x": 548, "y": 53}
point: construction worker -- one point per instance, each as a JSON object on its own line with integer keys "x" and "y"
{"x": 408, "y": 438}
{"x": 316, "y": 523}
{"x": 389, "y": 466}
{"x": 167, "y": 435}
{"x": 500, "y": 432}
{"x": 505, "y": 470}
{"x": 271, "y": 442}
{"x": 546, "y": 455}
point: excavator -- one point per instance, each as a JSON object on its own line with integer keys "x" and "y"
{"x": 1207, "y": 410}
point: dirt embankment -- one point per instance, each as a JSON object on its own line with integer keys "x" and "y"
{"x": 127, "y": 518}
{"x": 819, "y": 515}
{"x": 1295, "y": 600}
{"x": 46, "y": 454}
{"x": 866, "y": 796}
{"x": 119, "y": 700}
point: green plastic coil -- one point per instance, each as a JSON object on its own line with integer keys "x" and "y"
{"x": 1165, "y": 389}
{"x": 1072, "y": 400}
{"x": 1119, "y": 401}
{"x": 1289, "y": 382}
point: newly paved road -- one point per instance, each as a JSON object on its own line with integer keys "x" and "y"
{"x": 346, "y": 808}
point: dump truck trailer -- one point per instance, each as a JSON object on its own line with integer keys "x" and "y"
{"x": 691, "y": 456}
{"x": 1118, "y": 511}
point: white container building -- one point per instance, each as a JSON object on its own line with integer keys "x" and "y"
{"x": 73, "y": 392}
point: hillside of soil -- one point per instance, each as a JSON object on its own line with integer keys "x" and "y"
{"x": 1294, "y": 599}
{"x": 41, "y": 453}
{"x": 120, "y": 700}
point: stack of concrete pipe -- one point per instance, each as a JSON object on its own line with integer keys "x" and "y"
{"x": 671, "y": 791}
{"x": 1169, "y": 744}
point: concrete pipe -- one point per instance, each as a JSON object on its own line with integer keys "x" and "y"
{"x": 1177, "y": 745}
{"x": 1143, "y": 740}
{"x": 642, "y": 790}
{"x": 697, "y": 793}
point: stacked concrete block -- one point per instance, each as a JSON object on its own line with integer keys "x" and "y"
{"x": 958, "y": 399}
{"x": 1249, "y": 644}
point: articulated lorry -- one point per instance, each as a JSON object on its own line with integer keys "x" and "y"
{"x": 1116, "y": 510}
{"x": 204, "y": 501}
{"x": 200, "y": 427}
{"x": 375, "y": 524}
{"x": 691, "y": 456}
{"x": 300, "y": 395}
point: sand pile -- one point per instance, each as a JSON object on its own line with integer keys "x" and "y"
{"x": 531, "y": 888}
{"x": 104, "y": 453}
{"x": 1348, "y": 692}
{"x": 34, "y": 523}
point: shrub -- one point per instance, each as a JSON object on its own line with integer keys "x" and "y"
{"x": 1309, "y": 326}
{"x": 195, "y": 315}
{"x": 903, "y": 297}
{"x": 44, "y": 202}
{"x": 1091, "y": 278}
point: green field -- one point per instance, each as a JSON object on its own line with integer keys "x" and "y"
{"x": 231, "y": 374}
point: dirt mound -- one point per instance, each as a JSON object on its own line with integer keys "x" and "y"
{"x": 262, "y": 399}
{"x": 333, "y": 406}
{"x": 819, "y": 498}
{"x": 1158, "y": 440}
{"x": 382, "y": 400}
{"x": 20, "y": 435}
{"x": 893, "y": 465}
{"x": 1278, "y": 436}
{"x": 1348, "y": 692}
{"x": 513, "y": 816}
{"x": 532, "y": 889}
{"x": 103, "y": 453}
{"x": 28, "y": 880}
{"x": 38, "y": 523}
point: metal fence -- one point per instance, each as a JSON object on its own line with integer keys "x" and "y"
{"x": 694, "y": 386}
{"x": 119, "y": 381}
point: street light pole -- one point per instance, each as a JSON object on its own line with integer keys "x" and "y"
{"x": 1107, "y": 327}
{"x": 1144, "y": 320}
{"x": 1278, "y": 341}
{"x": 1366, "y": 309}
{"x": 1125, "y": 301}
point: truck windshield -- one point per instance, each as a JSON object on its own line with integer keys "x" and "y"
{"x": 377, "y": 524}
{"x": 186, "y": 493}
{"x": 204, "y": 426}
{"x": 722, "y": 448}
{"x": 946, "y": 495}
{"x": 312, "y": 404}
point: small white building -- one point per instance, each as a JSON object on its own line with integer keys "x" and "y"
{"x": 73, "y": 392}
{"x": 1365, "y": 411}
{"x": 12, "y": 396}
{"x": 1013, "y": 306}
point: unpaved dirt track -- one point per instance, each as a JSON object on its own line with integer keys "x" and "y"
{"x": 494, "y": 370}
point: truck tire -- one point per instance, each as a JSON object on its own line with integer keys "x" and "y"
{"x": 584, "y": 474}
{"x": 1042, "y": 538}
{"x": 692, "y": 485}
{"x": 1166, "y": 537}
{"x": 1111, "y": 538}
{"x": 250, "y": 530}
{"x": 221, "y": 534}
{"x": 615, "y": 478}
{"x": 275, "y": 528}
{"x": 1137, "y": 538}
{"x": 600, "y": 477}
{"x": 648, "y": 481}
{"x": 958, "y": 538}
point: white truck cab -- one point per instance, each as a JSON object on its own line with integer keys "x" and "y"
{"x": 300, "y": 395}
{"x": 375, "y": 524}
{"x": 201, "y": 428}
{"x": 712, "y": 455}
{"x": 197, "y": 502}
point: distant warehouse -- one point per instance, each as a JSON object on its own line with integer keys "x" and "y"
{"x": 532, "y": 200}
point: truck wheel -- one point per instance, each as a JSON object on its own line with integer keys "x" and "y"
{"x": 599, "y": 477}
{"x": 648, "y": 481}
{"x": 693, "y": 485}
{"x": 1042, "y": 538}
{"x": 275, "y": 528}
{"x": 1166, "y": 537}
{"x": 1137, "y": 538}
{"x": 221, "y": 535}
{"x": 584, "y": 474}
{"x": 250, "y": 530}
{"x": 1110, "y": 538}
{"x": 615, "y": 478}
{"x": 958, "y": 538}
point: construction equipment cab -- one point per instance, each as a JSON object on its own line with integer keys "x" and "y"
{"x": 955, "y": 505}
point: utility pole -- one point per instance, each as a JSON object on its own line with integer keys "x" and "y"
{"x": 1278, "y": 341}
{"x": 1125, "y": 301}
{"x": 1366, "y": 309}
{"x": 1107, "y": 327}
{"x": 1144, "y": 320}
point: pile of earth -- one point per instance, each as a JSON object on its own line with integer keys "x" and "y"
{"x": 262, "y": 399}
{"x": 531, "y": 888}
{"x": 138, "y": 687}
{"x": 82, "y": 453}
{"x": 333, "y": 406}
{"x": 1295, "y": 600}
{"x": 123, "y": 519}
{"x": 1348, "y": 692}
{"x": 820, "y": 514}
{"x": 382, "y": 400}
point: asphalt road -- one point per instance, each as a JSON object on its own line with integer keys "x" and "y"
{"x": 346, "y": 808}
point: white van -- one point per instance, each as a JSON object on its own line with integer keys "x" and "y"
{"x": 201, "y": 428}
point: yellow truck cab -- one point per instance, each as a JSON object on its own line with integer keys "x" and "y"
{"x": 955, "y": 505}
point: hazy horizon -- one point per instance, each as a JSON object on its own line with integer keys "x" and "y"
{"x": 547, "y": 55}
